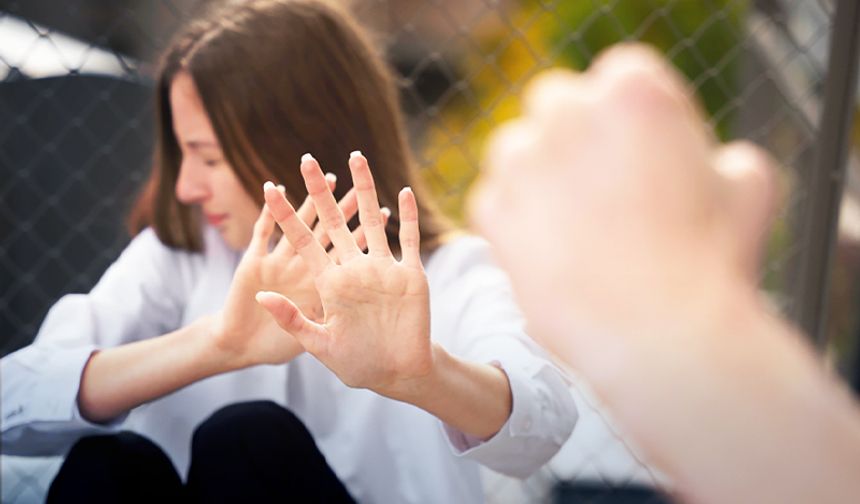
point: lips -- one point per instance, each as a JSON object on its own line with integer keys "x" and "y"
{"x": 215, "y": 219}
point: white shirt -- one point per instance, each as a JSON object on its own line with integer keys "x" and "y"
{"x": 383, "y": 450}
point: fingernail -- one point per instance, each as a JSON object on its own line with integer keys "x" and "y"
{"x": 264, "y": 294}
{"x": 407, "y": 188}
{"x": 282, "y": 188}
{"x": 386, "y": 211}
{"x": 331, "y": 177}
{"x": 268, "y": 185}
{"x": 307, "y": 157}
{"x": 354, "y": 154}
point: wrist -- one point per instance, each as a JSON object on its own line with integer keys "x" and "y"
{"x": 213, "y": 345}
{"x": 473, "y": 398}
{"x": 416, "y": 388}
{"x": 678, "y": 326}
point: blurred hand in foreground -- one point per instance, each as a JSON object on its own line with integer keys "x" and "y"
{"x": 633, "y": 240}
{"x": 612, "y": 183}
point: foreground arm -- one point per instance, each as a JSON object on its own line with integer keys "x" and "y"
{"x": 633, "y": 241}
{"x": 737, "y": 408}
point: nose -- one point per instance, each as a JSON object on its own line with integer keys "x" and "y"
{"x": 192, "y": 185}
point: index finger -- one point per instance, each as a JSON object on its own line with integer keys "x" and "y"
{"x": 296, "y": 231}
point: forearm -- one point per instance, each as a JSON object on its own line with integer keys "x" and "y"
{"x": 116, "y": 380}
{"x": 793, "y": 430}
{"x": 473, "y": 398}
{"x": 741, "y": 411}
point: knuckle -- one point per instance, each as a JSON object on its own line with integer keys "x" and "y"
{"x": 409, "y": 241}
{"x": 332, "y": 217}
{"x": 371, "y": 221}
{"x": 293, "y": 318}
{"x": 302, "y": 241}
{"x": 627, "y": 53}
{"x": 749, "y": 153}
{"x": 364, "y": 183}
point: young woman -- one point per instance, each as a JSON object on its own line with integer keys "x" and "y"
{"x": 409, "y": 389}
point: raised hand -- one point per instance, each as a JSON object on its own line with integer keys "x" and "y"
{"x": 376, "y": 328}
{"x": 246, "y": 333}
{"x": 633, "y": 239}
{"x": 611, "y": 183}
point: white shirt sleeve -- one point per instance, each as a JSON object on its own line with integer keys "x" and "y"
{"x": 478, "y": 307}
{"x": 138, "y": 297}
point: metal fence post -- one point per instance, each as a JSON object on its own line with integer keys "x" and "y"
{"x": 818, "y": 227}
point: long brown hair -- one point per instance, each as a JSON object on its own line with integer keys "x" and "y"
{"x": 279, "y": 78}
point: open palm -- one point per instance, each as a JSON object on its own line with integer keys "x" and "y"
{"x": 245, "y": 330}
{"x": 376, "y": 328}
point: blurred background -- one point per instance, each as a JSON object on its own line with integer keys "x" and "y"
{"x": 76, "y": 135}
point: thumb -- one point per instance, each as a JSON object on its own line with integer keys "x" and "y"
{"x": 291, "y": 318}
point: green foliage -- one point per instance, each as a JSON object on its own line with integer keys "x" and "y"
{"x": 703, "y": 38}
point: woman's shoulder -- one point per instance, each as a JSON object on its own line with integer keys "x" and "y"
{"x": 147, "y": 261}
{"x": 147, "y": 247}
{"x": 459, "y": 255}
{"x": 147, "y": 239}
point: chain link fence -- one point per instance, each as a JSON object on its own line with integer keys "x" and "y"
{"x": 76, "y": 138}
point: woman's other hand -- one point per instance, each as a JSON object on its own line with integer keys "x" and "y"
{"x": 244, "y": 331}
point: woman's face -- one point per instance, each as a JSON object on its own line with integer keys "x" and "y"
{"x": 205, "y": 177}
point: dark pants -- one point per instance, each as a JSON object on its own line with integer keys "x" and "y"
{"x": 248, "y": 452}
